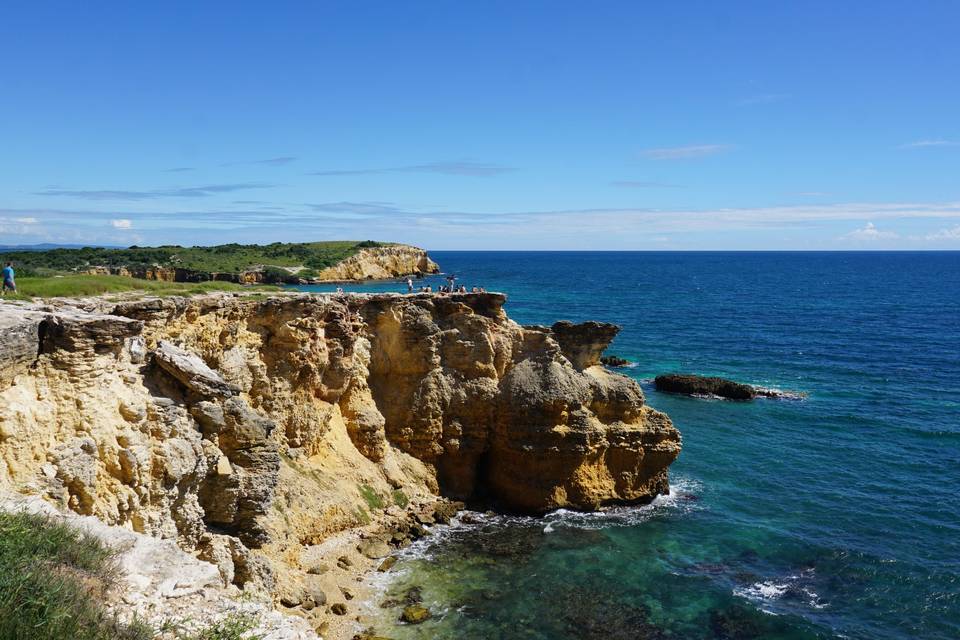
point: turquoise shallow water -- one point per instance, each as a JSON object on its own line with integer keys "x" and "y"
{"x": 835, "y": 516}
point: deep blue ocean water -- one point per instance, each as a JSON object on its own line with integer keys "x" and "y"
{"x": 835, "y": 516}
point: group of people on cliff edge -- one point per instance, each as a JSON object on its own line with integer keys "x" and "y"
{"x": 451, "y": 287}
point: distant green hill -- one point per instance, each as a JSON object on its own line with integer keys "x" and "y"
{"x": 191, "y": 263}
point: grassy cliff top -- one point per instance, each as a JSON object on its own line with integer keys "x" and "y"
{"x": 79, "y": 285}
{"x": 224, "y": 258}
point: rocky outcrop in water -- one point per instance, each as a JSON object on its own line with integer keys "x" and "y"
{"x": 246, "y": 427}
{"x": 693, "y": 385}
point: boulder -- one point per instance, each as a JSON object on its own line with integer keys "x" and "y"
{"x": 192, "y": 372}
{"x": 693, "y": 385}
{"x": 614, "y": 361}
{"x": 374, "y": 548}
{"x": 415, "y": 614}
{"x": 387, "y": 564}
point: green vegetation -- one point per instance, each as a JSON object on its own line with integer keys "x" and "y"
{"x": 400, "y": 498}
{"x": 370, "y": 496}
{"x": 236, "y": 626}
{"x": 53, "y": 579}
{"x": 53, "y": 582}
{"x": 88, "y": 285}
{"x": 225, "y": 258}
{"x": 363, "y": 517}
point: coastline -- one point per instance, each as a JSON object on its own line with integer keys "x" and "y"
{"x": 296, "y": 441}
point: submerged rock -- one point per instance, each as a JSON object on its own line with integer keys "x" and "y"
{"x": 415, "y": 614}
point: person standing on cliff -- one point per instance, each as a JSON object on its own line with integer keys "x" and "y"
{"x": 8, "y": 281}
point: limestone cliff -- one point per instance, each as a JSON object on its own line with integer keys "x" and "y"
{"x": 368, "y": 263}
{"x": 377, "y": 263}
{"x": 247, "y": 427}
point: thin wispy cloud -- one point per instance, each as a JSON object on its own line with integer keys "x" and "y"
{"x": 763, "y": 98}
{"x": 869, "y": 233}
{"x": 357, "y": 208}
{"x": 179, "y": 169}
{"x": 178, "y": 192}
{"x": 644, "y": 184}
{"x": 922, "y": 144}
{"x": 460, "y": 168}
{"x": 685, "y": 152}
{"x": 575, "y": 228}
{"x": 944, "y": 234}
{"x": 276, "y": 162}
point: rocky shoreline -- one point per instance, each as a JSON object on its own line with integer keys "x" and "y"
{"x": 295, "y": 442}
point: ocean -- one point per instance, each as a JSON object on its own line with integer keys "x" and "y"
{"x": 835, "y": 516}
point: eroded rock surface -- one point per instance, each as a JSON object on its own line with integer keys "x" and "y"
{"x": 388, "y": 261}
{"x": 246, "y": 429}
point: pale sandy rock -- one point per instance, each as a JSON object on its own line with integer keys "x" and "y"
{"x": 381, "y": 262}
{"x": 163, "y": 584}
{"x": 248, "y": 430}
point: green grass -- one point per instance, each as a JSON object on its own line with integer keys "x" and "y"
{"x": 400, "y": 498}
{"x": 53, "y": 579}
{"x": 89, "y": 285}
{"x": 236, "y": 626}
{"x": 370, "y": 496}
{"x": 226, "y": 258}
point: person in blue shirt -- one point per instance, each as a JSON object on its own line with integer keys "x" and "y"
{"x": 8, "y": 282}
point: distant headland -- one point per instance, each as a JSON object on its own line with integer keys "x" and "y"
{"x": 279, "y": 262}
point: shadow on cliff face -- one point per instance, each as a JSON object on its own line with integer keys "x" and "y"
{"x": 521, "y": 418}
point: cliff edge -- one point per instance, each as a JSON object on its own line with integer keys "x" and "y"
{"x": 247, "y": 428}
{"x": 302, "y": 262}
{"x": 378, "y": 263}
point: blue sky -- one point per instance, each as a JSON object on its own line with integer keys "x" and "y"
{"x": 483, "y": 125}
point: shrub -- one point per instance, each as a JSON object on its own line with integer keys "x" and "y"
{"x": 275, "y": 275}
{"x": 53, "y": 580}
{"x": 236, "y": 626}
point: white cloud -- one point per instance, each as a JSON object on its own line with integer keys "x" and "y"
{"x": 944, "y": 234}
{"x": 685, "y": 152}
{"x": 920, "y": 144}
{"x": 122, "y": 223}
{"x": 869, "y": 233}
{"x": 810, "y": 225}
{"x": 29, "y": 220}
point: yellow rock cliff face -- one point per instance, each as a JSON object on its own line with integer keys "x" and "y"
{"x": 246, "y": 427}
{"x": 381, "y": 262}
{"x": 384, "y": 262}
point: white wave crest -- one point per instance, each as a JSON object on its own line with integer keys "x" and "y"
{"x": 795, "y": 587}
